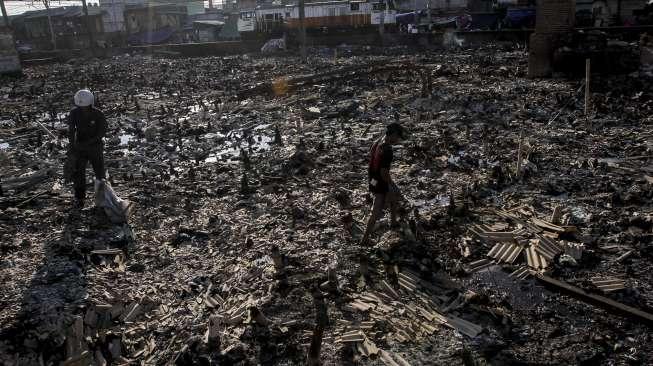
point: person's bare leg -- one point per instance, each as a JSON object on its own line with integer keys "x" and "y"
{"x": 377, "y": 211}
{"x": 393, "y": 201}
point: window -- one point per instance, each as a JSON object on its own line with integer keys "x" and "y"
{"x": 378, "y": 6}
{"x": 287, "y": 14}
{"x": 332, "y": 12}
{"x": 269, "y": 16}
{"x": 246, "y": 15}
{"x": 354, "y": 6}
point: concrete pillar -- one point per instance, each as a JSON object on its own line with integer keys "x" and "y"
{"x": 302, "y": 30}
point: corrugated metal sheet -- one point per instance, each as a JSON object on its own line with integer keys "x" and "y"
{"x": 555, "y": 16}
{"x": 479, "y": 265}
{"x": 505, "y": 252}
{"x": 463, "y": 326}
{"x": 547, "y": 247}
{"x": 410, "y": 277}
{"x": 609, "y": 284}
{"x": 506, "y": 214}
{"x": 574, "y": 249}
{"x": 534, "y": 259}
{"x": 498, "y": 226}
{"x": 485, "y": 233}
{"x": 63, "y": 12}
{"x": 406, "y": 282}
{"x": 521, "y": 273}
{"x": 520, "y": 233}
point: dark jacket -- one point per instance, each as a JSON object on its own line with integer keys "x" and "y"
{"x": 86, "y": 130}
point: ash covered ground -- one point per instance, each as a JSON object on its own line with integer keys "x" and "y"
{"x": 222, "y": 170}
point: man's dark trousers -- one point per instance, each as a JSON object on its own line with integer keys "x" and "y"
{"x": 84, "y": 154}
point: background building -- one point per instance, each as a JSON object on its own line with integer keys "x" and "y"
{"x": 68, "y": 25}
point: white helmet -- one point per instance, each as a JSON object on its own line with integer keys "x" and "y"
{"x": 84, "y": 98}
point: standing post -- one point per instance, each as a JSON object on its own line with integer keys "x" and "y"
{"x": 519, "y": 157}
{"x": 587, "y": 87}
{"x": 87, "y": 21}
{"x": 382, "y": 21}
{"x": 53, "y": 36}
{"x": 4, "y": 13}
{"x": 428, "y": 9}
{"x": 302, "y": 30}
{"x": 415, "y": 17}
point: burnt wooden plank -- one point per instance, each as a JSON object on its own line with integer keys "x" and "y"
{"x": 598, "y": 300}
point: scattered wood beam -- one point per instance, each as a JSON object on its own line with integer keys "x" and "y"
{"x": 598, "y": 300}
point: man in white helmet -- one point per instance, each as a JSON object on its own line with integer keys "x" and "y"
{"x": 86, "y": 128}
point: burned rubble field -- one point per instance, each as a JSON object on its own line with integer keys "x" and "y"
{"x": 219, "y": 182}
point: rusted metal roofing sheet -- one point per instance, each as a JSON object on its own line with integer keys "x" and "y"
{"x": 505, "y": 252}
{"x": 609, "y": 284}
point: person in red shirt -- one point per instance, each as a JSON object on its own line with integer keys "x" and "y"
{"x": 380, "y": 183}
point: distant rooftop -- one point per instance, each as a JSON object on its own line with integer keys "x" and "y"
{"x": 64, "y": 12}
{"x": 19, "y": 7}
{"x": 16, "y": 7}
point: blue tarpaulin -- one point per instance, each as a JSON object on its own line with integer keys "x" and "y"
{"x": 484, "y": 20}
{"x": 520, "y": 17}
{"x": 154, "y": 37}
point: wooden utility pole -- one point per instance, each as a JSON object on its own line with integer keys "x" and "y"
{"x": 382, "y": 21}
{"x": 428, "y": 9}
{"x": 415, "y": 17}
{"x": 302, "y": 30}
{"x": 53, "y": 36}
{"x": 519, "y": 156}
{"x": 89, "y": 28}
{"x": 210, "y": 4}
{"x": 587, "y": 87}
{"x": 5, "y": 17}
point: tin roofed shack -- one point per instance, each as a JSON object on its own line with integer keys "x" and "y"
{"x": 68, "y": 24}
{"x": 151, "y": 21}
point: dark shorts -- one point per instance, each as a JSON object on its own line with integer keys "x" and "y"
{"x": 382, "y": 200}
{"x": 380, "y": 187}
